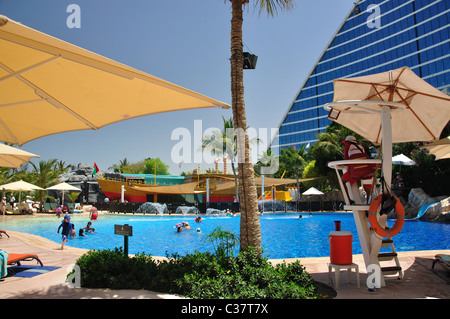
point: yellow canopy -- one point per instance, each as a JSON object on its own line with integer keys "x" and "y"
{"x": 49, "y": 86}
{"x": 188, "y": 188}
{"x": 199, "y": 187}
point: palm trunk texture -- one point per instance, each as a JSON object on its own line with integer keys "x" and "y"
{"x": 250, "y": 228}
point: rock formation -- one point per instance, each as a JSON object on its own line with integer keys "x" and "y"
{"x": 81, "y": 176}
{"x": 437, "y": 212}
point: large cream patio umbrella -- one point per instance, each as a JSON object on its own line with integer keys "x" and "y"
{"x": 49, "y": 86}
{"x": 20, "y": 186}
{"x": 64, "y": 187}
{"x": 440, "y": 148}
{"x": 390, "y": 107}
{"x": 13, "y": 157}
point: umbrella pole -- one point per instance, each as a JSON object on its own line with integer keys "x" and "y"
{"x": 386, "y": 134}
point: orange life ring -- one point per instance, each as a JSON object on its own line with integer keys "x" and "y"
{"x": 386, "y": 232}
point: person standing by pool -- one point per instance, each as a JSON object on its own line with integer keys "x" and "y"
{"x": 59, "y": 211}
{"x": 66, "y": 226}
{"x": 4, "y": 205}
{"x": 11, "y": 201}
{"x": 93, "y": 215}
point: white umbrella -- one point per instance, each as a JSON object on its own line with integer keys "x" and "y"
{"x": 64, "y": 187}
{"x": 20, "y": 186}
{"x": 312, "y": 191}
{"x": 440, "y": 148}
{"x": 13, "y": 157}
{"x": 402, "y": 160}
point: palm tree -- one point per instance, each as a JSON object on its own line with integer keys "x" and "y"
{"x": 225, "y": 143}
{"x": 250, "y": 228}
{"x": 119, "y": 168}
{"x": 293, "y": 161}
{"x": 44, "y": 175}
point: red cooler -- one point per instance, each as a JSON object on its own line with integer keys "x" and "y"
{"x": 341, "y": 247}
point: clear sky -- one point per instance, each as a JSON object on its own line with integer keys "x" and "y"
{"x": 186, "y": 43}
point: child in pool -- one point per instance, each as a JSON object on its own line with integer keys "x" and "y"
{"x": 66, "y": 226}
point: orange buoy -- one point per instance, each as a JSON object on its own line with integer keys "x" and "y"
{"x": 373, "y": 220}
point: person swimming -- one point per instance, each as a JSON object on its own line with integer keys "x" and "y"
{"x": 186, "y": 225}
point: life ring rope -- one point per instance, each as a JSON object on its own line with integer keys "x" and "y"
{"x": 373, "y": 220}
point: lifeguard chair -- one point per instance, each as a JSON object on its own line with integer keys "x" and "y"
{"x": 365, "y": 212}
{"x": 390, "y": 107}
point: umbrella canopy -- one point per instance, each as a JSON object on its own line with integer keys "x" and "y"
{"x": 49, "y": 86}
{"x": 402, "y": 160}
{"x": 20, "y": 186}
{"x": 13, "y": 157}
{"x": 440, "y": 148}
{"x": 419, "y": 111}
{"x": 312, "y": 191}
{"x": 64, "y": 187}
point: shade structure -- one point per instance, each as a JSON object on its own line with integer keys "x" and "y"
{"x": 312, "y": 191}
{"x": 402, "y": 160}
{"x": 13, "y": 157}
{"x": 188, "y": 188}
{"x": 440, "y": 148}
{"x": 49, "y": 86}
{"x": 419, "y": 111}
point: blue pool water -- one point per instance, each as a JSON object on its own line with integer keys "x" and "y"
{"x": 283, "y": 234}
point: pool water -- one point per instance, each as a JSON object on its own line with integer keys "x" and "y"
{"x": 284, "y": 235}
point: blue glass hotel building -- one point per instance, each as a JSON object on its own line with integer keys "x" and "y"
{"x": 376, "y": 36}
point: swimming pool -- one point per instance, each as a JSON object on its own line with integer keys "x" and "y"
{"x": 284, "y": 235}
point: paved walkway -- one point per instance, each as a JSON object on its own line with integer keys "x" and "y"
{"x": 419, "y": 280}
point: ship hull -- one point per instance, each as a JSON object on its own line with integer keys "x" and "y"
{"x": 113, "y": 190}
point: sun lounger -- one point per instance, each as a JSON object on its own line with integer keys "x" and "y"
{"x": 3, "y": 232}
{"x": 442, "y": 259}
{"x": 17, "y": 258}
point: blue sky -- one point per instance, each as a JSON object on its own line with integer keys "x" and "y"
{"x": 187, "y": 43}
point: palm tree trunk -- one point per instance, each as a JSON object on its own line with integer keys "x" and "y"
{"x": 250, "y": 228}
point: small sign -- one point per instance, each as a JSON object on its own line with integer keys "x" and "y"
{"x": 124, "y": 230}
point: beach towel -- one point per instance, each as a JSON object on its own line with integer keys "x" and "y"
{"x": 3, "y": 263}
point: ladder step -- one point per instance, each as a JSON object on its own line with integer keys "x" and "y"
{"x": 391, "y": 270}
{"x": 386, "y": 256}
{"x": 356, "y": 207}
{"x": 386, "y": 242}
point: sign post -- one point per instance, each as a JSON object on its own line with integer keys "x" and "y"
{"x": 125, "y": 231}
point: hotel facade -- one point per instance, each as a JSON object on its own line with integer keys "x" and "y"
{"x": 376, "y": 36}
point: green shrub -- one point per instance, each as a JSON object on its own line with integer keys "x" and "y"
{"x": 198, "y": 275}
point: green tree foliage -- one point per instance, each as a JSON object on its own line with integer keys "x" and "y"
{"x": 153, "y": 165}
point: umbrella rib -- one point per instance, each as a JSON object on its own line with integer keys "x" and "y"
{"x": 29, "y": 68}
{"x": 45, "y": 96}
{"x": 421, "y": 122}
{"x": 14, "y": 137}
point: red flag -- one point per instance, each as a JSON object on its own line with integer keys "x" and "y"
{"x": 95, "y": 169}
